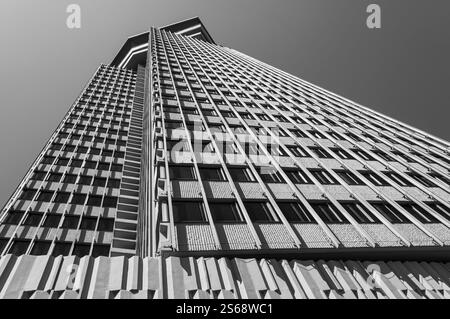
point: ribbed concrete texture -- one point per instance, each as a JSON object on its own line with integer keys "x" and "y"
{"x": 216, "y": 278}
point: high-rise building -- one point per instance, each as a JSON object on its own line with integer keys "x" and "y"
{"x": 186, "y": 169}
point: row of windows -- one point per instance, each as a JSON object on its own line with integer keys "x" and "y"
{"x": 55, "y": 220}
{"x": 65, "y": 161}
{"x": 75, "y": 179}
{"x": 296, "y": 212}
{"x": 66, "y": 197}
{"x": 212, "y": 173}
{"x": 41, "y": 247}
{"x": 85, "y": 150}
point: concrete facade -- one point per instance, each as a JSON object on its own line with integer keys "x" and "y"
{"x": 182, "y": 151}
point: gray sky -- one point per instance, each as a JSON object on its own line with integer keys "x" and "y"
{"x": 401, "y": 70}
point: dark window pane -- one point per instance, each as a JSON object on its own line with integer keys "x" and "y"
{"x": 94, "y": 200}
{"x": 105, "y": 224}
{"x": 81, "y": 250}
{"x": 40, "y": 248}
{"x": 61, "y": 248}
{"x": 185, "y": 212}
{"x": 70, "y": 222}
{"x": 100, "y": 250}
{"x": 212, "y": 174}
{"x": 112, "y": 182}
{"x": 70, "y": 178}
{"x": 241, "y": 174}
{"x": 54, "y": 177}
{"x": 78, "y": 199}
{"x": 295, "y": 212}
{"x": 45, "y": 196}
{"x": 182, "y": 172}
{"x": 85, "y": 180}
{"x": 259, "y": 211}
{"x": 33, "y": 219}
{"x": 99, "y": 181}
{"x": 14, "y": 217}
{"x": 19, "y": 247}
{"x": 110, "y": 201}
{"x": 52, "y": 220}
{"x": 62, "y": 197}
{"x": 224, "y": 212}
{"x": 88, "y": 223}
{"x": 27, "y": 194}
{"x": 329, "y": 214}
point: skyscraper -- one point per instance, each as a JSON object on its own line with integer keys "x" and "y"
{"x": 186, "y": 169}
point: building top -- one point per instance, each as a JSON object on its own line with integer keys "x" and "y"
{"x": 134, "y": 51}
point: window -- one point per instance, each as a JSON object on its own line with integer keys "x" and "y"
{"x": 62, "y": 161}
{"x": 440, "y": 209}
{"x": 260, "y": 211}
{"x": 270, "y": 175}
{"x": 422, "y": 180}
{"x": 61, "y": 197}
{"x": 320, "y": 152}
{"x": 295, "y": 212}
{"x": 54, "y": 177}
{"x": 441, "y": 178}
{"x": 99, "y": 181}
{"x": 105, "y": 224}
{"x": 94, "y": 200}
{"x": 45, "y": 196}
{"x": 299, "y": 133}
{"x": 298, "y": 177}
{"x": 188, "y": 212}
{"x": 13, "y": 217}
{"x": 28, "y": 194}
{"x": 297, "y": 151}
{"x": 32, "y": 219}
{"x": 374, "y": 178}
{"x": 324, "y": 177}
{"x": 349, "y": 178}
{"x": 88, "y": 223}
{"x": 329, "y": 213}
{"x": 116, "y": 167}
{"x": 48, "y": 159}
{"x": 112, "y": 182}
{"x": 397, "y": 178}
{"x": 40, "y": 247}
{"x": 383, "y": 155}
{"x": 364, "y": 155}
{"x": 179, "y": 172}
{"x": 70, "y": 178}
{"x": 241, "y": 174}
{"x": 61, "y": 248}
{"x": 39, "y": 175}
{"x": 100, "y": 250}
{"x": 52, "y": 220}
{"x": 212, "y": 174}
{"x": 110, "y": 201}
{"x": 19, "y": 247}
{"x": 85, "y": 180}
{"x": 78, "y": 199}
{"x": 360, "y": 213}
{"x": 81, "y": 250}
{"x": 418, "y": 212}
{"x": 341, "y": 153}
{"x": 71, "y": 221}
{"x": 224, "y": 212}
{"x": 390, "y": 213}
{"x": 76, "y": 163}
{"x": 102, "y": 166}
{"x": 3, "y": 243}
